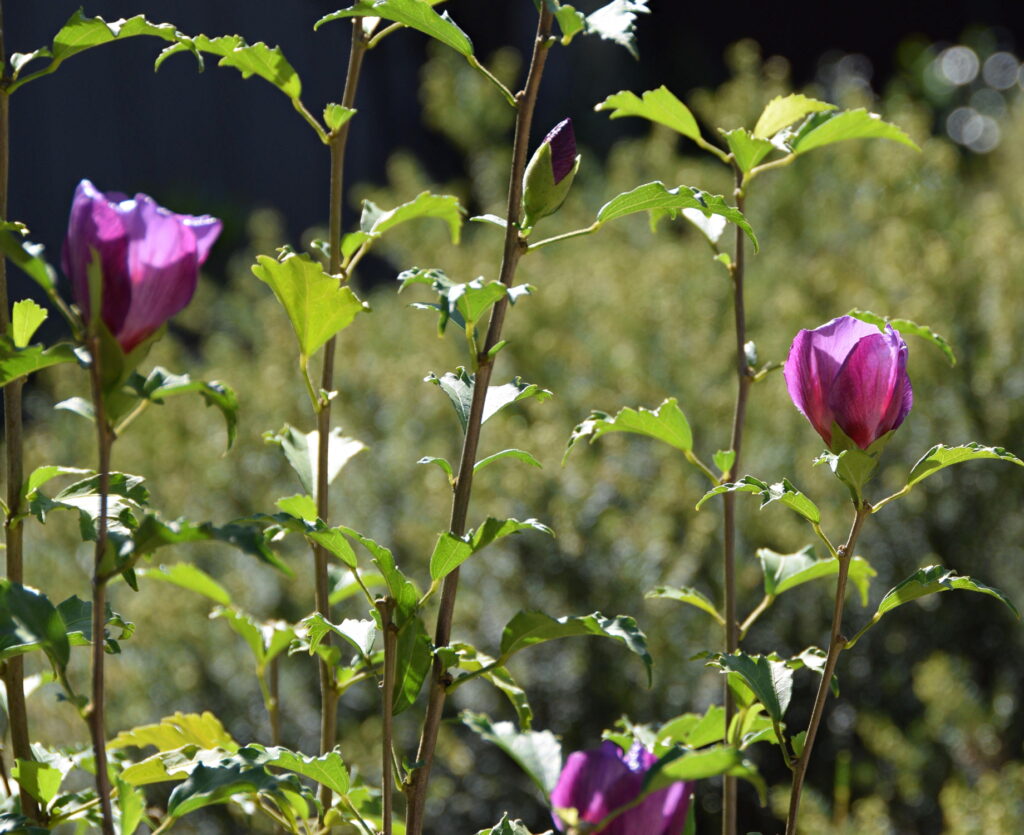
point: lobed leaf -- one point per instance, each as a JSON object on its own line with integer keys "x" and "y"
{"x": 459, "y": 388}
{"x": 666, "y": 423}
{"x": 659, "y": 106}
{"x": 935, "y": 579}
{"x": 941, "y": 456}
{"x": 782, "y": 491}
{"x": 26, "y": 317}
{"x": 204, "y": 730}
{"x": 161, "y": 384}
{"x": 416, "y": 14}
{"x": 835, "y": 126}
{"x": 747, "y": 150}
{"x": 301, "y": 450}
{"x": 256, "y": 59}
{"x": 783, "y": 111}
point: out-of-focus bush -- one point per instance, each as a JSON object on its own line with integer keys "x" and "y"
{"x": 929, "y": 719}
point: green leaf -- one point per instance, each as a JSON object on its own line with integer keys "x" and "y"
{"x": 525, "y": 457}
{"x": 207, "y": 786}
{"x": 659, "y": 106}
{"x": 771, "y": 681}
{"x": 459, "y": 388}
{"x": 747, "y": 150}
{"x": 76, "y": 615}
{"x": 187, "y": 576}
{"x": 666, "y": 423}
{"x": 570, "y": 21}
{"x": 172, "y": 732}
{"x": 783, "y": 111}
{"x": 360, "y": 634}
{"x": 301, "y": 449}
{"x": 531, "y": 627}
{"x": 538, "y": 753}
{"x": 782, "y": 491}
{"x": 20, "y": 362}
{"x": 161, "y": 384}
{"x": 941, "y": 456}
{"x": 616, "y": 22}
{"x": 14, "y": 823}
{"x": 416, "y": 14}
{"x": 249, "y": 59}
{"x": 686, "y": 595}
{"x": 934, "y": 579}
{"x": 317, "y": 304}
{"x": 905, "y": 326}
{"x": 693, "y": 729}
{"x": 28, "y": 620}
{"x": 335, "y": 115}
{"x": 402, "y": 590}
{"x": 376, "y": 221}
{"x": 301, "y": 506}
{"x": 26, "y": 317}
{"x": 81, "y": 33}
{"x": 835, "y": 126}
{"x": 266, "y": 639}
{"x": 131, "y": 803}
{"x": 691, "y": 765}
{"x": 327, "y": 769}
{"x": 40, "y": 780}
{"x": 724, "y": 459}
{"x": 414, "y": 657}
{"x": 451, "y": 551}
{"x": 785, "y": 571}
{"x": 655, "y": 196}
{"x": 465, "y": 304}
{"x": 28, "y": 256}
{"x": 506, "y": 826}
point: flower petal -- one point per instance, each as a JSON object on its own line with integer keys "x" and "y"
{"x": 586, "y": 780}
{"x": 903, "y": 395}
{"x": 563, "y": 149}
{"x": 95, "y": 224}
{"x": 163, "y": 263}
{"x": 864, "y": 388}
{"x": 206, "y": 229}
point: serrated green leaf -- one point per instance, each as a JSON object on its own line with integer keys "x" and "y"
{"x": 20, "y": 362}
{"x": 76, "y": 615}
{"x": 335, "y": 115}
{"x": 694, "y": 730}
{"x": 327, "y": 769}
{"x": 656, "y": 197}
{"x": 771, "y": 681}
{"x": 782, "y": 491}
{"x": 207, "y": 786}
{"x": 256, "y": 59}
{"x": 416, "y": 14}
{"x": 666, "y": 423}
{"x": 934, "y": 579}
{"x": 187, "y": 576}
{"x": 28, "y": 620}
{"x": 519, "y": 454}
{"x": 507, "y": 826}
{"x": 616, "y": 22}
{"x": 686, "y": 595}
{"x": 413, "y": 660}
{"x": 906, "y": 326}
{"x": 530, "y": 627}
{"x": 317, "y": 304}
{"x": 301, "y": 449}
{"x": 459, "y": 388}
{"x": 360, "y": 634}
{"x": 26, "y": 317}
{"x": 836, "y": 126}
{"x": 538, "y": 753}
{"x": 469, "y": 658}
{"x": 783, "y": 111}
{"x": 785, "y": 571}
{"x": 941, "y": 456}
{"x": 161, "y": 384}
{"x": 376, "y": 221}
{"x": 266, "y": 639}
{"x": 40, "y": 780}
{"x": 570, "y": 22}
{"x": 747, "y": 150}
{"x": 301, "y": 506}
{"x": 400, "y": 588}
{"x": 659, "y": 106}
{"x": 202, "y": 729}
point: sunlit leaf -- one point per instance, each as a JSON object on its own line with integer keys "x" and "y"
{"x": 659, "y": 106}
{"x": 771, "y": 681}
{"x": 416, "y": 14}
{"x": 188, "y": 576}
{"x": 783, "y": 111}
{"x": 26, "y": 317}
{"x": 538, "y": 753}
{"x": 835, "y": 126}
{"x": 20, "y": 362}
{"x": 782, "y": 491}
{"x": 932, "y": 580}
{"x": 666, "y": 423}
{"x": 785, "y": 571}
{"x": 686, "y": 595}
{"x": 747, "y": 150}
{"x": 160, "y": 384}
{"x": 28, "y": 620}
{"x": 905, "y": 328}
{"x": 171, "y": 732}
{"x": 941, "y": 456}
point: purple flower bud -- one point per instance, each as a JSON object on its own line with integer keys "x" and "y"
{"x": 149, "y": 257}
{"x": 597, "y": 782}
{"x": 563, "y": 149}
{"x": 849, "y": 374}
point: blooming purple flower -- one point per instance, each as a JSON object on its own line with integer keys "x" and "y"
{"x": 597, "y": 782}
{"x": 849, "y": 374}
{"x": 149, "y": 257}
{"x": 563, "y": 149}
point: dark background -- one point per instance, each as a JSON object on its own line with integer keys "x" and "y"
{"x": 85, "y": 121}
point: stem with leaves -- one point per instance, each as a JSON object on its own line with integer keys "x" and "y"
{"x": 14, "y": 669}
{"x": 338, "y": 143}
{"x": 514, "y": 247}
{"x": 95, "y": 713}
{"x": 836, "y": 644}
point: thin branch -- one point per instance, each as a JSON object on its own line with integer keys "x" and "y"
{"x": 762, "y": 607}
{"x": 386, "y": 607}
{"x": 578, "y": 233}
{"x": 416, "y": 785}
{"x": 835, "y": 646}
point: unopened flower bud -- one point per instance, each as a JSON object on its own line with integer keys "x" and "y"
{"x": 550, "y": 174}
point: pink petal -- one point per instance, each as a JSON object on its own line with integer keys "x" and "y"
{"x": 864, "y": 388}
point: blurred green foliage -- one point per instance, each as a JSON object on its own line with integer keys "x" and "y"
{"x": 928, "y": 723}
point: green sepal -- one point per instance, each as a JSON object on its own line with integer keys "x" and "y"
{"x": 542, "y": 196}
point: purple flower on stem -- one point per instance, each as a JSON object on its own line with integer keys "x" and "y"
{"x": 149, "y": 258}
{"x": 597, "y": 782}
{"x": 849, "y": 374}
{"x": 563, "y": 149}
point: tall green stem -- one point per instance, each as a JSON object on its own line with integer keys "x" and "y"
{"x": 14, "y": 669}
{"x": 743, "y": 381}
{"x": 515, "y": 246}
{"x": 338, "y": 143}
{"x": 386, "y": 607}
{"x": 836, "y": 642}
{"x": 96, "y": 713}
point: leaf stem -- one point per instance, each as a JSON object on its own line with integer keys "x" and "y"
{"x": 383, "y": 33}
{"x": 743, "y": 381}
{"x": 338, "y": 142}
{"x": 578, "y": 233}
{"x": 14, "y": 669}
{"x": 762, "y": 607}
{"x": 824, "y": 538}
{"x": 96, "y": 712}
{"x": 515, "y": 245}
{"x": 835, "y": 646}
{"x": 475, "y": 64}
{"x": 897, "y": 495}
